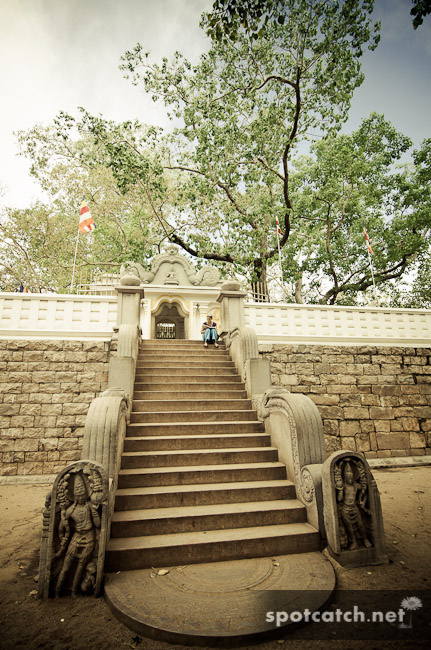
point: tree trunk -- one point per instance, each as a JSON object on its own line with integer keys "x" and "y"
{"x": 298, "y": 290}
{"x": 259, "y": 287}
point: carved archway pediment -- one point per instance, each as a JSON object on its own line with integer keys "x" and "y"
{"x": 170, "y": 268}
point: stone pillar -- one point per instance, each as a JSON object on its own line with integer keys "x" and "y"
{"x": 122, "y": 366}
{"x": 130, "y": 294}
{"x": 231, "y": 300}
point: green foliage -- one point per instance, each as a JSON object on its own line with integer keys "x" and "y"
{"x": 239, "y": 116}
{"x": 277, "y": 74}
{"x": 350, "y": 183}
{"x": 35, "y": 249}
{"x": 71, "y": 165}
{"x": 228, "y": 16}
{"x": 415, "y": 293}
{"x": 420, "y": 9}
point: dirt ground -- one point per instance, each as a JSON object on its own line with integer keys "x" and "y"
{"x": 87, "y": 623}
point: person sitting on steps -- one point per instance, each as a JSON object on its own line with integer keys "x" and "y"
{"x": 209, "y": 331}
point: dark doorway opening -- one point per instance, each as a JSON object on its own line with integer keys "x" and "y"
{"x": 169, "y": 324}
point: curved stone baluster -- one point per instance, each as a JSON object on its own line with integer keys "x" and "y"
{"x": 296, "y": 429}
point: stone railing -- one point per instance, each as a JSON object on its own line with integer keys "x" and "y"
{"x": 93, "y": 317}
{"x": 68, "y": 316}
{"x": 78, "y": 511}
{"x": 340, "y": 496}
{"x": 319, "y": 324}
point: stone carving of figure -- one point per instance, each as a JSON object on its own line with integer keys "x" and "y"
{"x": 351, "y": 500}
{"x": 81, "y": 519}
{"x": 89, "y": 581}
{"x": 172, "y": 276}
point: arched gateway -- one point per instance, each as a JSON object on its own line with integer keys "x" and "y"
{"x": 177, "y": 297}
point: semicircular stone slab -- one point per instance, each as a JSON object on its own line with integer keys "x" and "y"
{"x": 219, "y": 603}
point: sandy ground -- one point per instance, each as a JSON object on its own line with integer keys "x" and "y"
{"x": 87, "y": 623}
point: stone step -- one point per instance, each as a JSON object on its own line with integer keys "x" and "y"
{"x": 202, "y": 372}
{"x": 177, "y": 496}
{"x": 191, "y": 347}
{"x": 199, "y": 480}
{"x": 195, "y": 350}
{"x": 164, "y": 521}
{"x": 188, "y": 383}
{"x": 199, "y": 392}
{"x": 154, "y": 443}
{"x": 191, "y": 355}
{"x": 125, "y": 554}
{"x": 158, "y": 343}
{"x": 152, "y": 476}
{"x": 199, "y": 364}
{"x": 225, "y": 604}
{"x": 197, "y": 457}
{"x": 146, "y": 406}
{"x": 193, "y": 428}
{"x": 192, "y": 416}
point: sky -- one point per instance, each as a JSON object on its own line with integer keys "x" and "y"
{"x": 60, "y": 54}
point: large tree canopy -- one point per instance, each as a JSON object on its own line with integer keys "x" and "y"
{"x": 37, "y": 244}
{"x": 239, "y": 115}
{"x": 273, "y": 87}
{"x": 227, "y": 16}
{"x": 348, "y": 184}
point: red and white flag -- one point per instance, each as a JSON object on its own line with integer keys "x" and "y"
{"x": 367, "y": 239}
{"x": 280, "y": 232}
{"x": 86, "y": 222}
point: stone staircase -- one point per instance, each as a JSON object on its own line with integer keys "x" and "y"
{"x": 199, "y": 480}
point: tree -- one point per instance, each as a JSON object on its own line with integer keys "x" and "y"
{"x": 414, "y": 199}
{"x": 32, "y": 250}
{"x": 215, "y": 183}
{"x": 68, "y": 169}
{"x": 350, "y": 183}
{"x": 239, "y": 115}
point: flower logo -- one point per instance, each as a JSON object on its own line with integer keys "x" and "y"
{"x": 411, "y": 604}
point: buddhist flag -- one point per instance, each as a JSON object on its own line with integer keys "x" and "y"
{"x": 367, "y": 239}
{"x": 278, "y": 226}
{"x": 86, "y": 223}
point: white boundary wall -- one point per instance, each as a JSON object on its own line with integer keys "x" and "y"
{"x": 317, "y": 324}
{"x": 24, "y": 315}
{"x": 93, "y": 317}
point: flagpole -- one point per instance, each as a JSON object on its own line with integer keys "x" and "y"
{"x": 372, "y": 276}
{"x": 367, "y": 240}
{"x": 277, "y": 226}
{"x": 279, "y": 254}
{"x": 86, "y": 224}
{"x": 74, "y": 260}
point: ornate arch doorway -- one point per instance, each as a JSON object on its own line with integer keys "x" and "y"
{"x": 169, "y": 322}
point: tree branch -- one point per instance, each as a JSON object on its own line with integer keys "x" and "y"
{"x": 208, "y": 256}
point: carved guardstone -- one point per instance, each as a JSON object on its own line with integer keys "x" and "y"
{"x": 352, "y": 511}
{"x": 74, "y": 532}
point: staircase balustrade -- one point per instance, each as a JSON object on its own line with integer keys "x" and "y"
{"x": 78, "y": 510}
{"x": 296, "y": 429}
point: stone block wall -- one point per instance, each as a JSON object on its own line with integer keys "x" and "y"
{"x": 46, "y": 387}
{"x": 372, "y": 399}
